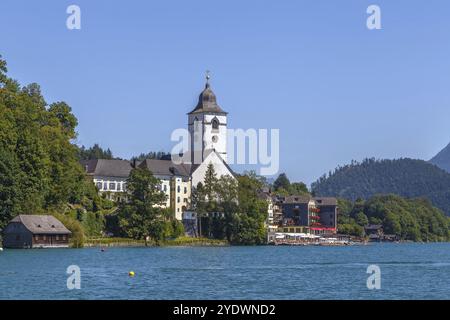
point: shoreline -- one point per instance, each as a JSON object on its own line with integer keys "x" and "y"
{"x": 184, "y": 241}
{"x": 205, "y": 242}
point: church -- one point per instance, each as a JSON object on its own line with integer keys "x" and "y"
{"x": 207, "y": 126}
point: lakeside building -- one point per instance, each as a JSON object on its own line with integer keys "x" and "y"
{"x": 296, "y": 216}
{"x": 35, "y": 231}
{"x": 207, "y": 126}
{"x": 319, "y": 214}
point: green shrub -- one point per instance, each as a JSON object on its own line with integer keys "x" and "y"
{"x": 77, "y": 238}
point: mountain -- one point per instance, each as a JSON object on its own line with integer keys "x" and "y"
{"x": 405, "y": 177}
{"x": 442, "y": 159}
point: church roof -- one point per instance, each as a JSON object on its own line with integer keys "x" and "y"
{"x": 207, "y": 153}
{"x": 166, "y": 168}
{"x": 207, "y": 102}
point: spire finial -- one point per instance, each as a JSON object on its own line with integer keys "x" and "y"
{"x": 207, "y": 76}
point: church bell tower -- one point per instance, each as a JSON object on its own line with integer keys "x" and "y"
{"x": 207, "y": 126}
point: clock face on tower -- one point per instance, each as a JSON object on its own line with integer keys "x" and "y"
{"x": 215, "y": 139}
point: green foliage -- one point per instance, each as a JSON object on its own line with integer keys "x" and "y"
{"x": 3, "y": 71}
{"x": 243, "y": 212}
{"x": 93, "y": 222}
{"x": 78, "y": 237}
{"x": 179, "y": 241}
{"x": 409, "y": 219}
{"x": 143, "y": 216}
{"x": 298, "y": 188}
{"x": 215, "y": 195}
{"x": 177, "y": 229}
{"x": 39, "y": 169}
{"x": 361, "y": 219}
{"x": 151, "y": 155}
{"x": 405, "y": 177}
{"x": 188, "y": 241}
{"x": 352, "y": 229}
{"x": 94, "y": 152}
{"x": 283, "y": 187}
{"x": 249, "y": 224}
{"x": 282, "y": 182}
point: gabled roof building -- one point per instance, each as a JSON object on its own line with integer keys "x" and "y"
{"x": 35, "y": 231}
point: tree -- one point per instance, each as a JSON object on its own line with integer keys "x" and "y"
{"x": 210, "y": 183}
{"x": 63, "y": 113}
{"x": 143, "y": 215}
{"x": 94, "y": 152}
{"x": 282, "y": 182}
{"x": 298, "y": 188}
{"x": 228, "y": 204}
{"x": 361, "y": 219}
{"x": 283, "y": 187}
{"x": 249, "y": 223}
{"x": 199, "y": 204}
{"x": 3, "y": 71}
{"x": 151, "y": 155}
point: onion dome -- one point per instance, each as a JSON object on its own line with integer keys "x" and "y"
{"x": 207, "y": 102}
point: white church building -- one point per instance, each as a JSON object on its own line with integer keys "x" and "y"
{"x": 207, "y": 126}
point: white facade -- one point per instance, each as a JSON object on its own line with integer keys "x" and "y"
{"x": 110, "y": 184}
{"x": 208, "y": 131}
{"x": 220, "y": 168}
{"x": 113, "y": 187}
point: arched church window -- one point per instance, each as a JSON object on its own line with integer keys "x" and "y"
{"x": 215, "y": 124}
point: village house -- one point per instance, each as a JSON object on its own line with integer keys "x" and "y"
{"x": 318, "y": 214}
{"x": 35, "y": 231}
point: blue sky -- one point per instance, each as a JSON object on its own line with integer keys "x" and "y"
{"x": 336, "y": 90}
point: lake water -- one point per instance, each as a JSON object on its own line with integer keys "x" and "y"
{"x": 408, "y": 271}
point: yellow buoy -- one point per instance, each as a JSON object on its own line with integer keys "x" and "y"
{"x": 131, "y": 273}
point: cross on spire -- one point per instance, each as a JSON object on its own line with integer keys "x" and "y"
{"x": 207, "y": 76}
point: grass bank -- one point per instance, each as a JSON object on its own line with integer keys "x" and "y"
{"x": 126, "y": 242}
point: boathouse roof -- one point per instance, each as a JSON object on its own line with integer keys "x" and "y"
{"x": 41, "y": 224}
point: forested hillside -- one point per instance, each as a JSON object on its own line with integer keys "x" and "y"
{"x": 409, "y": 219}
{"x": 405, "y": 177}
